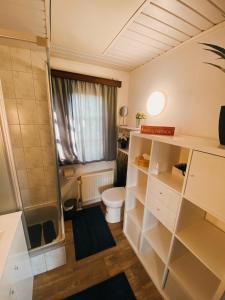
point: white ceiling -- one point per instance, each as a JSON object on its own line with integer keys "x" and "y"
{"x": 125, "y": 34}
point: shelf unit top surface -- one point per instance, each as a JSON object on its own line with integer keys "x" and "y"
{"x": 192, "y": 142}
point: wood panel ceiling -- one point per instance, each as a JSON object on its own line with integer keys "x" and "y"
{"x": 158, "y": 26}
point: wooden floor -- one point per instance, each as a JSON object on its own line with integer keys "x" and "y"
{"x": 76, "y": 276}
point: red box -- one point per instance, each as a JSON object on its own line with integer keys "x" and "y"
{"x": 160, "y": 130}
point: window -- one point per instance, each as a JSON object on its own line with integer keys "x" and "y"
{"x": 85, "y": 120}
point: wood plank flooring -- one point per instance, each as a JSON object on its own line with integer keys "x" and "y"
{"x": 76, "y": 276}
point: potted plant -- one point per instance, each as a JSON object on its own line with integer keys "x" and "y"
{"x": 123, "y": 140}
{"x": 140, "y": 116}
{"x": 219, "y": 51}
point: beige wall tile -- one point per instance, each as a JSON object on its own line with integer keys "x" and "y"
{"x": 6, "y": 78}
{"x": 38, "y": 60}
{"x": 34, "y": 196}
{"x": 48, "y": 156}
{"x": 21, "y": 59}
{"x": 43, "y": 112}
{"x": 45, "y": 135}
{"x": 52, "y": 193}
{"x": 5, "y": 58}
{"x": 33, "y": 157}
{"x": 22, "y": 179}
{"x": 27, "y": 111}
{"x": 36, "y": 177}
{"x": 24, "y": 85}
{"x": 19, "y": 158}
{"x": 15, "y": 135}
{"x": 11, "y": 111}
{"x": 50, "y": 175}
{"x": 40, "y": 87}
{"x": 30, "y": 135}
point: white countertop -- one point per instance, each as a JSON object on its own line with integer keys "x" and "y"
{"x": 8, "y": 227}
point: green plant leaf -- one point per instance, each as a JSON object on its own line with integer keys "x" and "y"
{"x": 218, "y": 48}
{"x": 217, "y": 52}
{"x": 216, "y": 66}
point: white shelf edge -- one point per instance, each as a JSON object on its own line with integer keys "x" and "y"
{"x": 135, "y": 216}
{"x": 142, "y": 169}
{"x": 125, "y": 151}
{"x": 199, "y": 254}
{"x": 162, "y": 178}
{"x": 161, "y": 253}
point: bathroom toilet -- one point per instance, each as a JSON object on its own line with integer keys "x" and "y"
{"x": 113, "y": 199}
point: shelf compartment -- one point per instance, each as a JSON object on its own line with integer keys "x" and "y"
{"x": 125, "y": 151}
{"x": 174, "y": 290}
{"x": 160, "y": 239}
{"x": 152, "y": 263}
{"x": 136, "y": 214}
{"x": 207, "y": 243}
{"x": 139, "y": 192}
{"x": 202, "y": 238}
{"x": 139, "y": 146}
{"x": 170, "y": 180}
{"x": 138, "y": 185}
{"x": 164, "y": 158}
{"x": 133, "y": 232}
{"x": 140, "y": 168}
{"x": 193, "y": 276}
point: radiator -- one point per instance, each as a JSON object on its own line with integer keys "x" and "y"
{"x": 93, "y": 184}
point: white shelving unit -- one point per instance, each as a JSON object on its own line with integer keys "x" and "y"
{"x": 126, "y": 130}
{"x": 176, "y": 228}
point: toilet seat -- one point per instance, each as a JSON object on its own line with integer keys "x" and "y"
{"x": 114, "y": 197}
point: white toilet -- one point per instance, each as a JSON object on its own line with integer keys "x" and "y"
{"x": 113, "y": 199}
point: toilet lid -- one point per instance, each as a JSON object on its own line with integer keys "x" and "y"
{"x": 116, "y": 194}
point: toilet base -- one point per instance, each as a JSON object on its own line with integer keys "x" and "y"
{"x": 113, "y": 215}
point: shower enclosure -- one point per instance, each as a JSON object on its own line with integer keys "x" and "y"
{"x": 43, "y": 221}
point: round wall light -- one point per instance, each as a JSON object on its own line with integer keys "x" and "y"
{"x": 156, "y": 103}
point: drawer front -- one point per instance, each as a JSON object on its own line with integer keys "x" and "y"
{"x": 163, "y": 214}
{"x": 161, "y": 193}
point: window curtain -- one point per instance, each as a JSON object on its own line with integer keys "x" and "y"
{"x": 85, "y": 120}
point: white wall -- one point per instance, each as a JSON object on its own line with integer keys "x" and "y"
{"x": 94, "y": 70}
{"x": 195, "y": 91}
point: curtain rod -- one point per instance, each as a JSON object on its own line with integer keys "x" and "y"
{"x": 87, "y": 78}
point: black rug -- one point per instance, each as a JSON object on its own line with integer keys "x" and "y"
{"x": 115, "y": 288}
{"x": 91, "y": 232}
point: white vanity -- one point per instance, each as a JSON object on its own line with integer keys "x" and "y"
{"x": 16, "y": 279}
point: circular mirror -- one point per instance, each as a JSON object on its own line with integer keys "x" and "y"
{"x": 123, "y": 111}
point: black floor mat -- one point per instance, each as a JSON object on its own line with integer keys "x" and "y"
{"x": 91, "y": 232}
{"x": 115, "y": 288}
{"x": 35, "y": 233}
{"x": 49, "y": 232}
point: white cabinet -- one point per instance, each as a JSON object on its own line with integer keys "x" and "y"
{"x": 175, "y": 222}
{"x": 206, "y": 182}
{"x": 16, "y": 281}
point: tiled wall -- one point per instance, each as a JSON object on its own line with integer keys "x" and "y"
{"x": 23, "y": 77}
